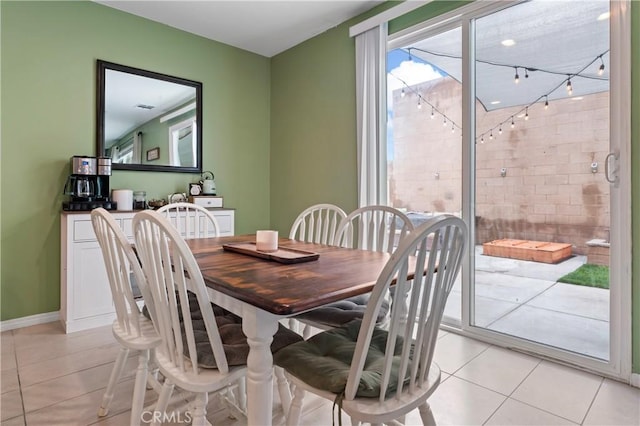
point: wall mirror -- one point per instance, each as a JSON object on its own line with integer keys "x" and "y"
{"x": 147, "y": 120}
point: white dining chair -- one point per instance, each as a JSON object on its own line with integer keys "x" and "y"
{"x": 376, "y": 375}
{"x": 376, "y": 228}
{"x": 131, "y": 328}
{"x": 317, "y": 224}
{"x": 191, "y": 220}
{"x": 193, "y": 355}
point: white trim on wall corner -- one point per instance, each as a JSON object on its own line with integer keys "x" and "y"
{"x": 635, "y": 380}
{"x": 12, "y": 324}
{"x": 386, "y": 16}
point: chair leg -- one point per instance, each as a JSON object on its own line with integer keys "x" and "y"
{"x": 163, "y": 401}
{"x": 426, "y": 415}
{"x": 139, "y": 388}
{"x": 242, "y": 394}
{"x": 293, "y": 418}
{"x": 200, "y": 410}
{"x": 283, "y": 389}
{"x": 116, "y": 373}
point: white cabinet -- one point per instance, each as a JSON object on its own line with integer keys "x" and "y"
{"x": 85, "y": 296}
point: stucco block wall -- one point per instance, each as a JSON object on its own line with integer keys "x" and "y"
{"x": 549, "y": 191}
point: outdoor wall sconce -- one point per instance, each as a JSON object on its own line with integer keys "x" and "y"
{"x": 594, "y": 167}
{"x": 503, "y": 171}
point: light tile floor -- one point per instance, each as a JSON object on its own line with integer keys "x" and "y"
{"x": 52, "y": 378}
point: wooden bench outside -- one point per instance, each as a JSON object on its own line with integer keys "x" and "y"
{"x": 536, "y": 251}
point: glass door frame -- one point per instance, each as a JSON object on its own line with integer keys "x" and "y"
{"x": 619, "y": 363}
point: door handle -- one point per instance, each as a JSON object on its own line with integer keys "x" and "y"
{"x": 610, "y": 173}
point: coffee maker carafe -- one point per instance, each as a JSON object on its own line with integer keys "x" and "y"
{"x": 88, "y": 184}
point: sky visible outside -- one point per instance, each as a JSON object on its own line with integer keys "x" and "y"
{"x": 412, "y": 71}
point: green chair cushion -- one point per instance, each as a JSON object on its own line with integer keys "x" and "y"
{"x": 324, "y": 360}
{"x": 234, "y": 342}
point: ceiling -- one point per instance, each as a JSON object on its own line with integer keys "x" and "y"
{"x": 264, "y": 27}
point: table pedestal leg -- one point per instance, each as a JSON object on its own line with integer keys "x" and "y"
{"x": 259, "y": 327}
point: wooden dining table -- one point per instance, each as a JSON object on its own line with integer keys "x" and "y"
{"x": 264, "y": 291}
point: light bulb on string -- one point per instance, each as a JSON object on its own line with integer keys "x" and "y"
{"x": 500, "y": 130}
{"x": 444, "y": 122}
{"x": 419, "y": 102}
{"x": 491, "y": 135}
{"x": 482, "y": 139}
{"x": 402, "y": 93}
{"x": 516, "y": 79}
{"x": 569, "y": 86}
{"x": 546, "y": 102}
{"x": 453, "y": 129}
{"x": 601, "y": 69}
{"x": 526, "y": 74}
{"x": 526, "y": 113}
{"x": 513, "y": 124}
{"x": 433, "y": 113}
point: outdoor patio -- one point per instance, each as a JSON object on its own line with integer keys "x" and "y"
{"x": 524, "y": 299}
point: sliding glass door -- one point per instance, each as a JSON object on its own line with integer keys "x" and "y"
{"x": 509, "y": 115}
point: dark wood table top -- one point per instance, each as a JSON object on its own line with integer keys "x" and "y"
{"x": 285, "y": 289}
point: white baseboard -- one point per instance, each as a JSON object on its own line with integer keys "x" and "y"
{"x": 12, "y": 324}
{"x": 635, "y": 380}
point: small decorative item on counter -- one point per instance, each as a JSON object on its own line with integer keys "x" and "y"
{"x": 156, "y": 204}
{"x": 139, "y": 200}
{"x": 177, "y": 197}
{"x": 195, "y": 189}
{"x": 208, "y": 184}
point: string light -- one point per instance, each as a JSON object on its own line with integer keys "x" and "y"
{"x": 444, "y": 122}
{"x": 526, "y": 74}
{"x": 517, "y": 77}
{"x": 500, "y": 129}
{"x": 526, "y": 114}
{"x": 482, "y": 139}
{"x": 433, "y": 113}
{"x": 569, "y": 86}
{"x": 419, "y": 102}
{"x": 546, "y": 102}
{"x": 453, "y": 129}
{"x": 491, "y": 135}
{"x": 402, "y": 93}
{"x": 601, "y": 69}
{"x": 513, "y": 124}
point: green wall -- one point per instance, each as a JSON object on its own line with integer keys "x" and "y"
{"x": 47, "y": 88}
{"x": 313, "y": 128}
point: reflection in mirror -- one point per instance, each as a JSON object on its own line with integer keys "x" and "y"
{"x": 147, "y": 120}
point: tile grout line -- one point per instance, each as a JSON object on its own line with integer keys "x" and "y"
{"x": 592, "y": 400}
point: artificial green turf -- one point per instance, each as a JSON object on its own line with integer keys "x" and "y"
{"x": 588, "y": 275}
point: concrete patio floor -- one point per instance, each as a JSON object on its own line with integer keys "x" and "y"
{"x": 524, "y": 299}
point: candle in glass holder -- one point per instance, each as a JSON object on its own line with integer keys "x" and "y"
{"x": 267, "y": 241}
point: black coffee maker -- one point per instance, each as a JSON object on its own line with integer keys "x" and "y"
{"x": 88, "y": 184}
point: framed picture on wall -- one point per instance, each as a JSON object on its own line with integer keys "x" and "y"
{"x": 153, "y": 154}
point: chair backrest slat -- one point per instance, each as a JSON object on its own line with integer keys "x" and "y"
{"x": 121, "y": 265}
{"x": 173, "y": 273}
{"x": 317, "y": 224}
{"x": 376, "y": 228}
{"x": 434, "y": 250}
{"x": 191, "y": 220}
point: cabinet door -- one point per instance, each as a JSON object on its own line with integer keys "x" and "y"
{"x": 91, "y": 291}
{"x": 225, "y": 220}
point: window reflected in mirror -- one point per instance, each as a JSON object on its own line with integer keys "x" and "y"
{"x": 142, "y": 112}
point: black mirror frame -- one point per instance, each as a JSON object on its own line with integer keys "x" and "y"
{"x": 102, "y": 67}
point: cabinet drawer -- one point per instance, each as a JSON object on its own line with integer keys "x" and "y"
{"x": 83, "y": 231}
{"x": 207, "y": 202}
